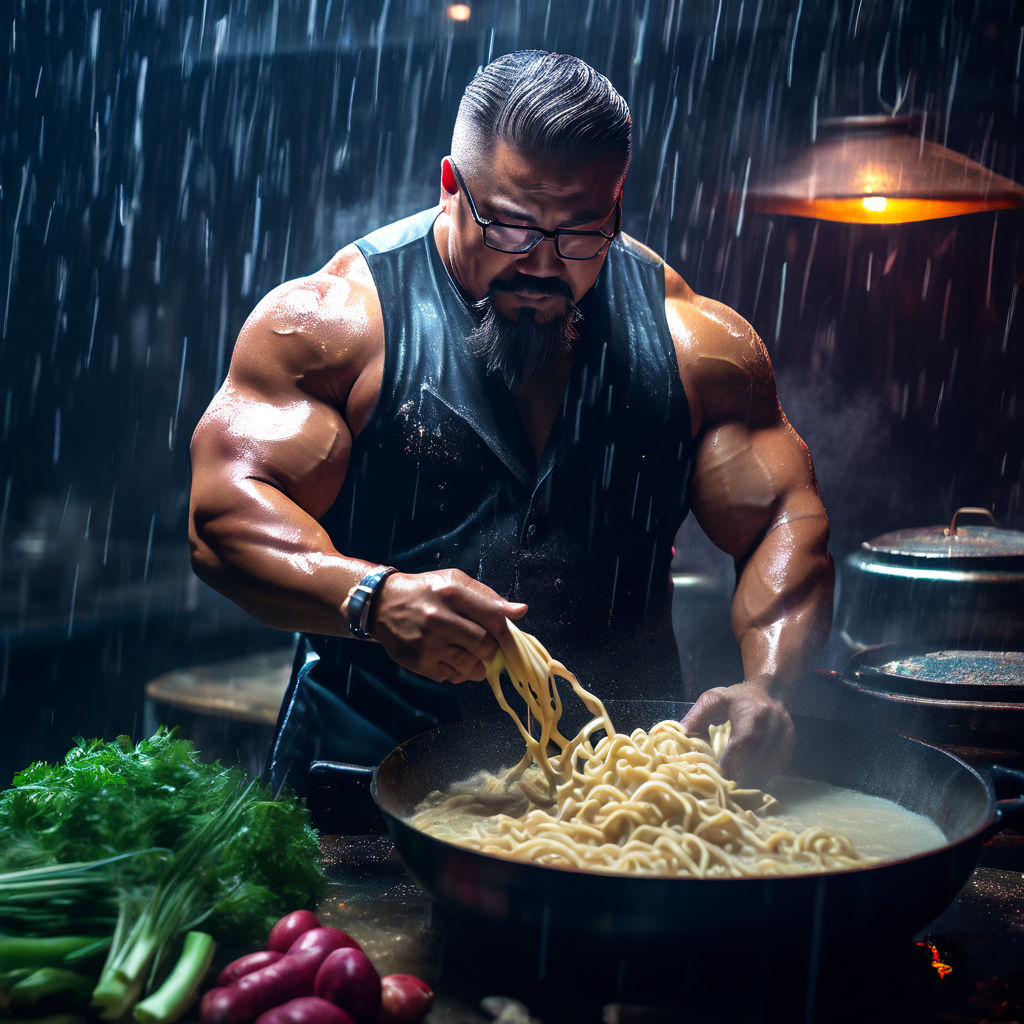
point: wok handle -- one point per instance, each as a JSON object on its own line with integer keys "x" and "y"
{"x": 339, "y": 800}
{"x": 1009, "y": 811}
{"x": 1005, "y": 780}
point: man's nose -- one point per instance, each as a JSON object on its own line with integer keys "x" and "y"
{"x": 542, "y": 260}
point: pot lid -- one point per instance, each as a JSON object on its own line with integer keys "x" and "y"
{"x": 956, "y": 541}
{"x": 973, "y": 675}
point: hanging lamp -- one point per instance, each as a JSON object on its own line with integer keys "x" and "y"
{"x": 873, "y": 170}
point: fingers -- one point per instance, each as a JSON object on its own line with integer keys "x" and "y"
{"x": 759, "y": 749}
{"x": 462, "y": 666}
{"x": 482, "y": 605}
{"x": 762, "y": 736}
{"x": 443, "y": 625}
{"x": 711, "y": 708}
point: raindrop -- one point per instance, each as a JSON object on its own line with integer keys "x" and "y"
{"x": 64, "y": 512}
{"x": 181, "y": 384}
{"x": 991, "y": 260}
{"x": 807, "y": 268}
{"x": 140, "y": 94}
{"x": 149, "y": 547}
{"x": 96, "y": 158}
{"x": 110, "y": 520}
{"x": 95, "y": 314}
{"x": 743, "y": 196}
{"x": 782, "y": 296}
{"x": 14, "y": 243}
{"x": 1009, "y": 315}
{"x": 938, "y": 404}
{"x": 71, "y": 608}
{"x": 945, "y": 310}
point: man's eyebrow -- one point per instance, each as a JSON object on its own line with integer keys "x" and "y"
{"x": 501, "y": 211}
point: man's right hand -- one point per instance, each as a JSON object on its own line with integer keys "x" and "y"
{"x": 443, "y": 625}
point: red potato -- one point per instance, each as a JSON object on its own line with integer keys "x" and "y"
{"x": 347, "y": 978}
{"x": 289, "y": 928}
{"x": 322, "y": 941}
{"x": 255, "y": 993}
{"x": 306, "y": 1010}
{"x": 405, "y": 999}
{"x": 247, "y": 964}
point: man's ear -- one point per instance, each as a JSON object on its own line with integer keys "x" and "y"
{"x": 448, "y": 182}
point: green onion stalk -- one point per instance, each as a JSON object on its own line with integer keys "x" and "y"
{"x": 179, "y": 902}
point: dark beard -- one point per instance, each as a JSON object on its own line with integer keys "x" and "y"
{"x": 520, "y": 349}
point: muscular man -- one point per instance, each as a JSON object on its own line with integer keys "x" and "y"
{"x": 512, "y": 405}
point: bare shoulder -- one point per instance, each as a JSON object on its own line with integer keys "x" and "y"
{"x": 723, "y": 364}
{"x": 321, "y": 331}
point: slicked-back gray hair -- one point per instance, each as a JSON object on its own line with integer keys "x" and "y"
{"x": 551, "y": 104}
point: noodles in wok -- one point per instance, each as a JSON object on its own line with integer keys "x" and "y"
{"x": 650, "y": 803}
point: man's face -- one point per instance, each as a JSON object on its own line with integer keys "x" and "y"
{"x": 529, "y": 298}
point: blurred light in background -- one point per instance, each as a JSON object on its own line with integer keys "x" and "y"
{"x": 872, "y": 170}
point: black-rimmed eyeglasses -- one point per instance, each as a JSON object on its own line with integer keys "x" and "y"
{"x": 569, "y": 244}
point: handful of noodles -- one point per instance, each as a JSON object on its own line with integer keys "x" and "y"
{"x": 650, "y": 803}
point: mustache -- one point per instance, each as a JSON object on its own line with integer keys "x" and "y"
{"x": 528, "y": 283}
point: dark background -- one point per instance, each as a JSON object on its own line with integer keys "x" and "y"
{"x": 163, "y": 165}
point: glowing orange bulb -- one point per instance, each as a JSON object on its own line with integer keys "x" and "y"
{"x": 876, "y": 204}
{"x": 458, "y": 12}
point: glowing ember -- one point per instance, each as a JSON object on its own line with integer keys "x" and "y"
{"x": 942, "y": 969}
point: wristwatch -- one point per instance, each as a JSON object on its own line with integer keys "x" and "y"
{"x": 356, "y": 606}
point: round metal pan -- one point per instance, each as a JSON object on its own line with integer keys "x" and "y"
{"x": 980, "y": 715}
{"x": 899, "y": 896}
{"x": 936, "y": 674}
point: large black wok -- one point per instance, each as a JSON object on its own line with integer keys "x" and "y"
{"x": 895, "y": 898}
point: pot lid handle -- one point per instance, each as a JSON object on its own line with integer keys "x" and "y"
{"x": 968, "y": 510}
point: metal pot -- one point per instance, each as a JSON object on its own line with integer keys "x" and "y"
{"x": 959, "y": 584}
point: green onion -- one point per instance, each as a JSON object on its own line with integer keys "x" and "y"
{"x": 30, "y": 951}
{"x": 50, "y": 982}
{"x": 179, "y": 990}
{"x": 177, "y": 905}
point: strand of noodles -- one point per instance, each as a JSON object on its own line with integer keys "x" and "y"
{"x": 532, "y": 672}
{"x": 648, "y": 802}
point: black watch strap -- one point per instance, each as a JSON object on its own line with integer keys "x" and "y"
{"x": 356, "y": 606}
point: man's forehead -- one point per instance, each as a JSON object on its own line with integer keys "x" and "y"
{"x": 514, "y": 175}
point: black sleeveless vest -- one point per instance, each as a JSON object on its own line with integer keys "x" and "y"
{"x": 443, "y": 476}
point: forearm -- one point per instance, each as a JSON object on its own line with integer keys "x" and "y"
{"x": 274, "y": 560}
{"x": 782, "y": 607}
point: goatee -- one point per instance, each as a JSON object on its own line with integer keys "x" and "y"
{"x": 520, "y": 349}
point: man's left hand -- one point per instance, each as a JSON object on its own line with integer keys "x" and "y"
{"x": 762, "y": 736}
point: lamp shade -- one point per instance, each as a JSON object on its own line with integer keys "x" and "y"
{"x": 869, "y": 170}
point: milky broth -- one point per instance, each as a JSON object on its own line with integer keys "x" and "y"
{"x": 876, "y": 826}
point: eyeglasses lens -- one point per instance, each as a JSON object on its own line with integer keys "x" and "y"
{"x": 583, "y": 246}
